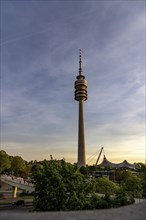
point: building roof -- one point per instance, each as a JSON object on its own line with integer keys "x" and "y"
{"x": 123, "y": 165}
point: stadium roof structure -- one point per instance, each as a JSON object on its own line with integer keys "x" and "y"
{"x": 123, "y": 165}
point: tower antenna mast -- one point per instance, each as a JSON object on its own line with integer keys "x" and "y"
{"x": 80, "y": 86}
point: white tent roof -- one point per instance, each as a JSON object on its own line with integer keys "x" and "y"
{"x": 123, "y": 165}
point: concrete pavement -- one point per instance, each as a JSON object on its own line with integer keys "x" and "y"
{"x": 131, "y": 212}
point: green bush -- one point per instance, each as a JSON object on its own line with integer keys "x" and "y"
{"x": 61, "y": 186}
{"x": 133, "y": 185}
{"x": 123, "y": 198}
{"x": 106, "y": 186}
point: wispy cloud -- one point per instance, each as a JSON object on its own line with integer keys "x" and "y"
{"x": 39, "y": 63}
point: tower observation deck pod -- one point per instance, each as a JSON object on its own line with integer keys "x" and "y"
{"x": 81, "y": 96}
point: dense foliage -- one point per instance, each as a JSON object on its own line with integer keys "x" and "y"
{"x": 60, "y": 186}
{"x": 106, "y": 186}
{"x": 14, "y": 165}
{"x": 5, "y": 162}
{"x": 63, "y": 186}
{"x": 17, "y": 165}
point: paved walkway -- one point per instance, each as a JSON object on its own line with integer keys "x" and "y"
{"x": 131, "y": 212}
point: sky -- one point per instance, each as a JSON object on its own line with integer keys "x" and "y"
{"x": 40, "y": 42}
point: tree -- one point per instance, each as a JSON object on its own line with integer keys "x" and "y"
{"x": 142, "y": 175}
{"x": 49, "y": 190}
{"x": 17, "y": 165}
{"x": 123, "y": 198}
{"x": 5, "y": 162}
{"x": 122, "y": 175}
{"x": 28, "y": 169}
{"x": 106, "y": 186}
{"x": 60, "y": 186}
{"x": 84, "y": 170}
{"x": 133, "y": 185}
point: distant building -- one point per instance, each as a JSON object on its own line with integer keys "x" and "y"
{"x": 123, "y": 165}
{"x": 103, "y": 173}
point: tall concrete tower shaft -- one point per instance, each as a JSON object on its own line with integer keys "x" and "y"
{"x": 81, "y": 96}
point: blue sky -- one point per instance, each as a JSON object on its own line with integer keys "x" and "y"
{"x": 40, "y": 43}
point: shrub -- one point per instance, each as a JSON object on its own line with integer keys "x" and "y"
{"x": 60, "y": 186}
{"x": 123, "y": 198}
{"x": 106, "y": 186}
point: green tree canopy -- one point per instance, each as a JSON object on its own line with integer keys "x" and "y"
{"x": 133, "y": 184}
{"x": 17, "y": 165}
{"x": 106, "y": 186}
{"x": 60, "y": 186}
{"x": 5, "y": 162}
{"x": 122, "y": 175}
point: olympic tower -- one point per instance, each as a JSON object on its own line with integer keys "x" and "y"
{"x": 80, "y": 86}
